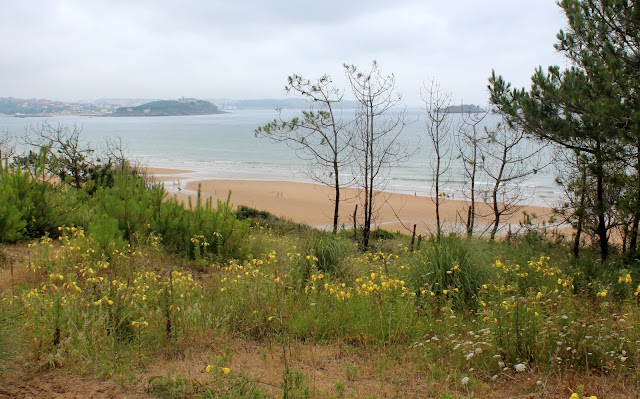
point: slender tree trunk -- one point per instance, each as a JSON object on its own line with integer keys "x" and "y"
{"x": 581, "y": 212}
{"x": 365, "y": 226}
{"x": 369, "y": 216}
{"x": 601, "y": 231}
{"x": 494, "y": 195}
{"x": 369, "y": 177}
{"x": 438, "y": 227}
{"x": 471, "y": 217}
{"x": 336, "y": 207}
{"x": 355, "y": 223}
{"x": 496, "y": 213}
{"x": 469, "y": 226}
{"x": 633, "y": 241}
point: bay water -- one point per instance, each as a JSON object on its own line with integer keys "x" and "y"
{"x": 224, "y": 146}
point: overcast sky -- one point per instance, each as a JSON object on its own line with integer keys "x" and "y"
{"x": 239, "y": 49}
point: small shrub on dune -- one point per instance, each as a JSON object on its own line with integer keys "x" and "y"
{"x": 382, "y": 234}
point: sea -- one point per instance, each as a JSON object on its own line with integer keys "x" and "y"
{"x": 224, "y": 146}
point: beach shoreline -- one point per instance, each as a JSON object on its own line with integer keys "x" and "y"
{"x": 312, "y": 204}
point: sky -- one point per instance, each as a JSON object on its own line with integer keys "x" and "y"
{"x": 240, "y": 49}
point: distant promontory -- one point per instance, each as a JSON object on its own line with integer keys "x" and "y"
{"x": 183, "y": 106}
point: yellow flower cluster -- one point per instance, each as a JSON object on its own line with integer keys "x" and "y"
{"x": 377, "y": 283}
{"x": 81, "y": 283}
{"x": 199, "y": 240}
{"x": 251, "y": 269}
{"x": 625, "y": 278}
{"x": 223, "y": 370}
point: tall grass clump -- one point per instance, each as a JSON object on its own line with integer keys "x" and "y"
{"x": 447, "y": 268}
{"x": 324, "y": 253}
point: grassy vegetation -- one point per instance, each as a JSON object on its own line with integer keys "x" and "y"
{"x": 119, "y": 278}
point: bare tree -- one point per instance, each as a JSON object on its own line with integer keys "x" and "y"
{"x": 438, "y": 128}
{"x": 7, "y": 148}
{"x": 319, "y": 136}
{"x": 508, "y": 159}
{"x": 469, "y": 136}
{"x": 63, "y": 143}
{"x": 376, "y": 133}
{"x": 115, "y": 152}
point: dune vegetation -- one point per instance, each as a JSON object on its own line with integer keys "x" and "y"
{"x": 114, "y": 279}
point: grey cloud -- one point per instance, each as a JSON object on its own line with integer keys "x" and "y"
{"x": 161, "y": 48}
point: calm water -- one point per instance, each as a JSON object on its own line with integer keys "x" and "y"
{"x": 224, "y": 146}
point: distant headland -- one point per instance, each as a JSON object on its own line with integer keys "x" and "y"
{"x": 184, "y": 106}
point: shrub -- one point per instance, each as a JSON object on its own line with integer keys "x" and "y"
{"x": 202, "y": 230}
{"x": 12, "y": 223}
{"x": 245, "y": 212}
{"x": 31, "y": 207}
{"x": 382, "y": 234}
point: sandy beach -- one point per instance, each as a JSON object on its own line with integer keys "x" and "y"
{"x": 312, "y": 204}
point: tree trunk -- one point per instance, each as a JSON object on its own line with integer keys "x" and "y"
{"x": 469, "y": 225}
{"x": 355, "y": 223}
{"x": 633, "y": 241}
{"x": 438, "y": 227}
{"x": 496, "y": 218}
{"x": 601, "y": 231}
{"x": 336, "y": 207}
{"x": 576, "y": 242}
{"x": 471, "y": 215}
{"x": 370, "y": 176}
{"x": 494, "y": 195}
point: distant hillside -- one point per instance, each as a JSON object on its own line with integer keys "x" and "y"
{"x": 184, "y": 106}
